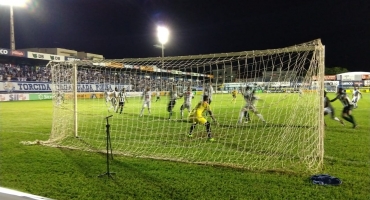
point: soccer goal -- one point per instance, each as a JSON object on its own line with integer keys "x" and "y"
{"x": 288, "y": 137}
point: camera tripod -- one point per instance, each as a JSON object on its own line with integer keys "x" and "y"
{"x": 109, "y": 146}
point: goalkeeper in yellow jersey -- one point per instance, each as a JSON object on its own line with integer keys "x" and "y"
{"x": 197, "y": 117}
{"x": 234, "y": 93}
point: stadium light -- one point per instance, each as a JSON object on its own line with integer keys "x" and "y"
{"x": 11, "y": 3}
{"x": 162, "y": 33}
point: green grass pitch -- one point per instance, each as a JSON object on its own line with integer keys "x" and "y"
{"x": 72, "y": 174}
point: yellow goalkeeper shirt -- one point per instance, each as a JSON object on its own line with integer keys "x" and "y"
{"x": 200, "y": 108}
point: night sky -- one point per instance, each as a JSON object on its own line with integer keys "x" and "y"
{"x": 127, "y": 28}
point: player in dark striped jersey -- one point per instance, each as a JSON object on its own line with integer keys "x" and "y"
{"x": 121, "y": 100}
{"x": 328, "y": 109}
{"x": 347, "y": 106}
{"x": 173, "y": 96}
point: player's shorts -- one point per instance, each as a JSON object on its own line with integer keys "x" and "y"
{"x": 147, "y": 104}
{"x": 250, "y": 107}
{"x": 327, "y": 110}
{"x": 121, "y": 103}
{"x": 346, "y": 109}
{"x": 185, "y": 106}
{"x": 171, "y": 104}
{"x": 234, "y": 96}
{"x": 198, "y": 119}
{"x": 355, "y": 99}
{"x": 114, "y": 101}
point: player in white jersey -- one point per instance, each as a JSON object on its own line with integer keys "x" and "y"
{"x": 347, "y": 106}
{"x": 328, "y": 109}
{"x": 114, "y": 100}
{"x": 356, "y": 96}
{"x": 60, "y": 97}
{"x": 107, "y": 97}
{"x": 188, "y": 96}
{"x": 172, "y": 100}
{"x": 121, "y": 100}
{"x": 208, "y": 91}
{"x": 147, "y": 100}
{"x": 250, "y": 99}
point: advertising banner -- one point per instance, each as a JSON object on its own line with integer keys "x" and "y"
{"x": 8, "y": 87}
{"x": 69, "y": 58}
{"x": 19, "y": 53}
{"x": 114, "y": 64}
{"x": 5, "y": 52}
{"x": 366, "y": 77}
{"x": 348, "y": 77}
{"x": 128, "y": 66}
{"x": 14, "y": 97}
{"x": 366, "y": 82}
{"x": 326, "y": 78}
{"x": 44, "y": 56}
{"x": 146, "y": 68}
{"x": 41, "y": 96}
{"x": 352, "y": 83}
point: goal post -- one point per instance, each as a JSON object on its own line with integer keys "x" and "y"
{"x": 285, "y": 133}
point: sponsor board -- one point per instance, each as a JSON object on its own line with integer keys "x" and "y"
{"x": 347, "y": 77}
{"x": 9, "y": 86}
{"x": 5, "y": 52}
{"x": 41, "y": 96}
{"x": 14, "y": 97}
{"x": 326, "y": 78}
{"x": 366, "y": 82}
{"x": 326, "y": 83}
{"x": 69, "y": 58}
{"x": 366, "y": 77}
{"x": 19, "y": 53}
{"x": 45, "y": 56}
{"x": 352, "y": 83}
{"x": 8, "y": 52}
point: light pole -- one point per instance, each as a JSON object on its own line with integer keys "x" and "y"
{"x": 12, "y": 3}
{"x": 162, "y": 33}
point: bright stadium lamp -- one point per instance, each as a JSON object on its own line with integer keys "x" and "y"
{"x": 162, "y": 33}
{"x": 11, "y": 3}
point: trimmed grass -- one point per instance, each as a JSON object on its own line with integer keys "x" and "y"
{"x": 72, "y": 174}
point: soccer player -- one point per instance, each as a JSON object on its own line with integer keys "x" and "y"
{"x": 172, "y": 100}
{"x": 300, "y": 92}
{"x": 122, "y": 99}
{"x": 147, "y": 98}
{"x": 197, "y": 117}
{"x": 158, "y": 95}
{"x": 356, "y": 96}
{"x": 114, "y": 100}
{"x": 328, "y": 109}
{"x": 60, "y": 97}
{"x": 107, "y": 97}
{"x": 250, "y": 99}
{"x": 233, "y": 93}
{"x": 188, "y": 96}
{"x": 347, "y": 106}
{"x": 208, "y": 91}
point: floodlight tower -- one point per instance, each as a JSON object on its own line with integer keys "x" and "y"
{"x": 162, "y": 33}
{"x": 12, "y": 3}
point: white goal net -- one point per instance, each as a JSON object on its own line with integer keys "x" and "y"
{"x": 281, "y": 130}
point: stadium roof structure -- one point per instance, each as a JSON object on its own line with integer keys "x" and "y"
{"x": 354, "y": 73}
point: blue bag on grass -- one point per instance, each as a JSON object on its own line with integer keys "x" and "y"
{"x": 325, "y": 179}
